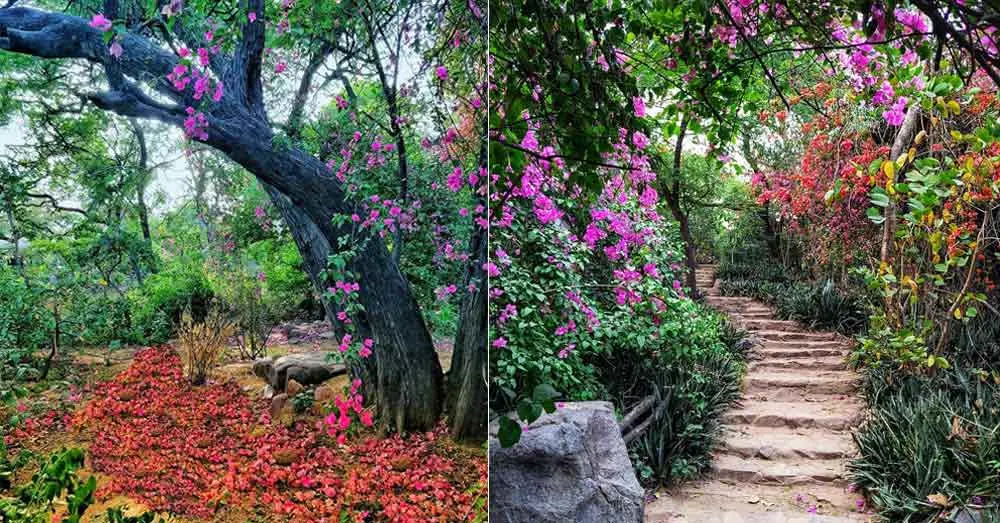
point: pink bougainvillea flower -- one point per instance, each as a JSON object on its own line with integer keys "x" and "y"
{"x": 115, "y": 49}
{"x": 441, "y": 72}
{"x": 500, "y": 343}
{"x": 174, "y": 7}
{"x": 639, "y": 140}
{"x": 100, "y": 22}
{"x": 895, "y": 115}
{"x": 455, "y": 180}
{"x": 639, "y": 106}
{"x": 252, "y": 16}
{"x": 279, "y": 67}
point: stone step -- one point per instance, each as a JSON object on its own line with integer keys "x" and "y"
{"x": 779, "y": 472}
{"x": 795, "y": 363}
{"x": 768, "y": 324}
{"x": 780, "y": 335}
{"x": 735, "y": 309}
{"x": 727, "y": 300}
{"x": 717, "y": 501}
{"x": 810, "y": 382}
{"x": 794, "y": 395}
{"x": 786, "y": 443}
{"x": 803, "y": 352}
{"x": 833, "y": 415}
{"x": 753, "y": 315}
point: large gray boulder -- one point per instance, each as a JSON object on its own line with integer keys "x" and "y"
{"x": 570, "y": 466}
{"x": 308, "y": 368}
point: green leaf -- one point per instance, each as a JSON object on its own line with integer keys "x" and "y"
{"x": 545, "y": 392}
{"x": 528, "y": 411}
{"x": 879, "y": 198}
{"x": 509, "y": 433}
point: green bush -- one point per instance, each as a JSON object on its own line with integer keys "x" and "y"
{"x": 96, "y": 319}
{"x": 929, "y": 436}
{"x": 693, "y": 369}
{"x": 158, "y": 304}
{"x": 25, "y": 326}
{"x": 286, "y": 280}
{"x": 752, "y": 270}
{"x": 692, "y": 398}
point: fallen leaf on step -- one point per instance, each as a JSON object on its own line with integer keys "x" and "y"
{"x": 753, "y": 500}
{"x": 939, "y": 499}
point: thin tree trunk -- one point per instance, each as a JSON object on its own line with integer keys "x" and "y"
{"x": 899, "y": 144}
{"x": 54, "y": 349}
{"x": 140, "y": 190}
{"x": 391, "y": 93}
{"x": 468, "y": 393}
{"x": 674, "y": 202}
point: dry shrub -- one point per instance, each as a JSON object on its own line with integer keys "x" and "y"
{"x": 202, "y": 344}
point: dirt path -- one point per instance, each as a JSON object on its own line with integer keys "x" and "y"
{"x": 783, "y": 453}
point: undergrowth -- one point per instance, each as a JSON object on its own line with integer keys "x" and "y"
{"x": 692, "y": 386}
{"x": 930, "y": 443}
{"x": 817, "y": 304}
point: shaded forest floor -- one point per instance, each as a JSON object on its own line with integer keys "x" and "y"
{"x": 212, "y": 453}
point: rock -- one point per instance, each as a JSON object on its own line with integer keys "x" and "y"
{"x": 324, "y": 393}
{"x": 308, "y": 368}
{"x": 569, "y": 466}
{"x": 267, "y": 392}
{"x": 262, "y": 366}
{"x": 292, "y": 388}
{"x": 278, "y": 404}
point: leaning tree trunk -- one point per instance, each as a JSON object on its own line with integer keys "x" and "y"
{"x": 315, "y": 251}
{"x": 408, "y": 377}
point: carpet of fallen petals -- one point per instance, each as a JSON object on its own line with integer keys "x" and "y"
{"x": 201, "y": 451}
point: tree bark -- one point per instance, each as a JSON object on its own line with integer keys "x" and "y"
{"x": 409, "y": 377}
{"x": 674, "y": 202}
{"x": 689, "y": 251}
{"x": 140, "y": 190}
{"x": 468, "y": 381}
{"x": 899, "y": 144}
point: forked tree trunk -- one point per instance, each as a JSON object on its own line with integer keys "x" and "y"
{"x": 673, "y": 198}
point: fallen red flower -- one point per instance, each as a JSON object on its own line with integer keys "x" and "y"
{"x": 192, "y": 450}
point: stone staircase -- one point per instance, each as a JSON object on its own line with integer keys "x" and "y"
{"x": 783, "y": 453}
